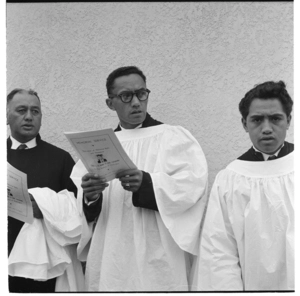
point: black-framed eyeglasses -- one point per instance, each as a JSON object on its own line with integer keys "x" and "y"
{"x": 127, "y": 96}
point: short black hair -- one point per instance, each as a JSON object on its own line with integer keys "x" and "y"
{"x": 264, "y": 91}
{"x": 20, "y": 90}
{"x": 122, "y": 71}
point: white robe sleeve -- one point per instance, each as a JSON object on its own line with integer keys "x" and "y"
{"x": 180, "y": 187}
{"x": 60, "y": 214}
{"x": 43, "y": 250}
{"x": 218, "y": 267}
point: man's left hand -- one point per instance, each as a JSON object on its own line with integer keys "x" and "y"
{"x": 131, "y": 180}
{"x": 36, "y": 210}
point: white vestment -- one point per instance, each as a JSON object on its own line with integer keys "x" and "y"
{"x": 46, "y": 248}
{"x": 137, "y": 249}
{"x": 247, "y": 241}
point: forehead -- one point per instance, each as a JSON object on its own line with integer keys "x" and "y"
{"x": 25, "y": 99}
{"x": 266, "y": 107}
{"x": 128, "y": 82}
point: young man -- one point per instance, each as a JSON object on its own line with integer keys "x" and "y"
{"x": 45, "y": 165}
{"x": 248, "y": 235}
{"x": 148, "y": 219}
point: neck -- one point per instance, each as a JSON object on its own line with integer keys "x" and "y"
{"x": 270, "y": 153}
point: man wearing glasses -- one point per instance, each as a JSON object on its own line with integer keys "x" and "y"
{"x": 146, "y": 222}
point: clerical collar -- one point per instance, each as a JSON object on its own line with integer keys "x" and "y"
{"x": 122, "y": 128}
{"x": 266, "y": 156}
{"x": 15, "y": 144}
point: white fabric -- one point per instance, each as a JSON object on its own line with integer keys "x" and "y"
{"x": 15, "y": 144}
{"x": 136, "y": 249}
{"x": 123, "y": 128}
{"x": 248, "y": 234}
{"x": 46, "y": 249}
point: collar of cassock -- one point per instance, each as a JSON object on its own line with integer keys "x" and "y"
{"x": 266, "y": 156}
{"x": 15, "y": 144}
{"x": 122, "y": 128}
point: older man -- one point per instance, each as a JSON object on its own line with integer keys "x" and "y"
{"x": 248, "y": 234}
{"x": 147, "y": 221}
{"x": 45, "y": 165}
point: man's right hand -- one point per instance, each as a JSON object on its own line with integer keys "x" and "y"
{"x": 92, "y": 185}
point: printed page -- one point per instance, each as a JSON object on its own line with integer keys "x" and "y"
{"x": 18, "y": 200}
{"x": 101, "y": 152}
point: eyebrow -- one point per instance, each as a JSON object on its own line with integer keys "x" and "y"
{"x": 142, "y": 88}
{"x": 25, "y": 106}
{"x": 269, "y": 115}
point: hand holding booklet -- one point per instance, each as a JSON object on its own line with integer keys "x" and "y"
{"x": 101, "y": 152}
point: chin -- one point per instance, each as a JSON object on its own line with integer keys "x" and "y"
{"x": 139, "y": 120}
{"x": 269, "y": 150}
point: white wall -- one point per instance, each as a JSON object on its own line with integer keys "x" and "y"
{"x": 200, "y": 58}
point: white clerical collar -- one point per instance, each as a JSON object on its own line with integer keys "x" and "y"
{"x": 266, "y": 156}
{"x": 15, "y": 144}
{"x": 122, "y": 128}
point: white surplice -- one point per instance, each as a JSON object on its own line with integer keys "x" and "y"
{"x": 46, "y": 248}
{"x": 248, "y": 234}
{"x": 136, "y": 249}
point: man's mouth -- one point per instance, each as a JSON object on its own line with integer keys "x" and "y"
{"x": 28, "y": 126}
{"x": 136, "y": 112}
{"x": 267, "y": 139}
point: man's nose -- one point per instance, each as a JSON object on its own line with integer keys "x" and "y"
{"x": 267, "y": 127}
{"x": 28, "y": 115}
{"x": 135, "y": 101}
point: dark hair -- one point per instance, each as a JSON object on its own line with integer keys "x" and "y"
{"x": 20, "y": 90}
{"x": 264, "y": 91}
{"x": 122, "y": 71}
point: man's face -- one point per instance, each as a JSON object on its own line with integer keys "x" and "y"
{"x": 24, "y": 116}
{"x": 133, "y": 113}
{"x": 267, "y": 124}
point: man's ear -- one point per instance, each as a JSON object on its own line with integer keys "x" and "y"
{"x": 109, "y": 104}
{"x": 244, "y": 122}
{"x": 7, "y": 116}
{"x": 289, "y": 121}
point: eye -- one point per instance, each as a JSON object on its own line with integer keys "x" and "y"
{"x": 275, "y": 119}
{"x": 35, "y": 112}
{"x": 126, "y": 96}
{"x": 21, "y": 111}
{"x": 256, "y": 119}
{"x": 141, "y": 92}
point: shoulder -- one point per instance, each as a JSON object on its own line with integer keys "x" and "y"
{"x": 53, "y": 149}
{"x": 248, "y": 155}
{"x": 177, "y": 134}
{"x": 223, "y": 180}
{"x": 179, "y": 137}
{"x": 289, "y": 145}
{"x": 179, "y": 131}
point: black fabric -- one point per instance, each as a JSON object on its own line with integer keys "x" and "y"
{"x": 145, "y": 196}
{"x": 93, "y": 210}
{"x": 252, "y": 155}
{"x": 46, "y": 166}
{"x": 22, "y": 146}
{"x": 24, "y": 285}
